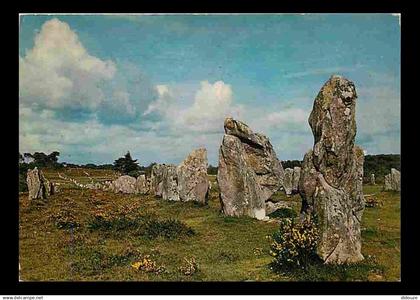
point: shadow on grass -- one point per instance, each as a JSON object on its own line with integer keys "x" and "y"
{"x": 318, "y": 271}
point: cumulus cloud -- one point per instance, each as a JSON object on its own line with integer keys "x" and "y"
{"x": 288, "y": 116}
{"x": 58, "y": 72}
{"x": 205, "y": 112}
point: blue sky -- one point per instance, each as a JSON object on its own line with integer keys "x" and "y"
{"x": 93, "y": 87}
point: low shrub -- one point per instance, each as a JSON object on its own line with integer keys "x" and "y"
{"x": 147, "y": 264}
{"x": 114, "y": 224}
{"x": 373, "y": 202}
{"x": 283, "y": 213}
{"x": 65, "y": 219}
{"x": 293, "y": 245}
{"x": 190, "y": 267}
{"x": 169, "y": 229}
{"x": 143, "y": 226}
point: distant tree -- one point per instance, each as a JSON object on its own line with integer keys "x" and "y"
{"x": 42, "y": 160}
{"x": 380, "y": 165}
{"x": 211, "y": 170}
{"x": 291, "y": 163}
{"x": 127, "y": 165}
{"x": 21, "y": 159}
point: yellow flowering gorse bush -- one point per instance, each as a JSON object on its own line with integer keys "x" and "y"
{"x": 190, "y": 267}
{"x": 147, "y": 264}
{"x": 294, "y": 244}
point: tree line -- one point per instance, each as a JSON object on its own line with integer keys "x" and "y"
{"x": 380, "y": 165}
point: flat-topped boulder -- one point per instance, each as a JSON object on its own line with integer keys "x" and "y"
{"x": 332, "y": 173}
{"x": 124, "y": 184}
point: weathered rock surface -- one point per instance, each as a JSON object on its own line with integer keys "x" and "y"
{"x": 249, "y": 171}
{"x": 296, "y": 177}
{"x": 240, "y": 193}
{"x": 393, "y": 181}
{"x": 271, "y": 207}
{"x": 193, "y": 184}
{"x": 142, "y": 185}
{"x": 38, "y": 186}
{"x": 288, "y": 181}
{"x": 156, "y": 180}
{"x": 124, "y": 184}
{"x": 372, "y": 179}
{"x": 170, "y": 183}
{"x": 259, "y": 155}
{"x": 332, "y": 173}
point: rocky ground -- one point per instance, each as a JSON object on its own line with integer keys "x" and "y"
{"x": 95, "y": 235}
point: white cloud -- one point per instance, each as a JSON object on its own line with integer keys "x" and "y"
{"x": 288, "y": 116}
{"x": 211, "y": 104}
{"x": 58, "y": 72}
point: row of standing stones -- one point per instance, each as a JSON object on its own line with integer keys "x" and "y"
{"x": 249, "y": 173}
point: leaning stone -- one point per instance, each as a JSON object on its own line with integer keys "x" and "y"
{"x": 259, "y": 155}
{"x": 240, "y": 192}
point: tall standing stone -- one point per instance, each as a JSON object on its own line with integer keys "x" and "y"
{"x": 240, "y": 193}
{"x": 38, "y": 186}
{"x": 332, "y": 173}
{"x": 249, "y": 171}
{"x": 193, "y": 183}
{"x": 170, "y": 183}
{"x": 393, "y": 181}
{"x": 296, "y": 177}
{"x": 156, "y": 180}
{"x": 142, "y": 185}
{"x": 259, "y": 155}
{"x": 372, "y": 179}
{"x": 288, "y": 181}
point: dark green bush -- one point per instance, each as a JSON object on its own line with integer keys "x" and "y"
{"x": 283, "y": 213}
{"x": 115, "y": 224}
{"x": 169, "y": 229}
{"x": 144, "y": 226}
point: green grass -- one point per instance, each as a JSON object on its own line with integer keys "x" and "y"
{"x": 58, "y": 242}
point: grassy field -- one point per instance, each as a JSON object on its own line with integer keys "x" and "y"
{"x": 93, "y": 235}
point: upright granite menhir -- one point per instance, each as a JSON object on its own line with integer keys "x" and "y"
{"x": 38, "y": 186}
{"x": 332, "y": 173}
{"x": 249, "y": 171}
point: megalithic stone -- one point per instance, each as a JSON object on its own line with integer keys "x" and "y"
{"x": 332, "y": 173}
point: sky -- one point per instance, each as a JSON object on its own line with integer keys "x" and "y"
{"x": 96, "y": 86}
